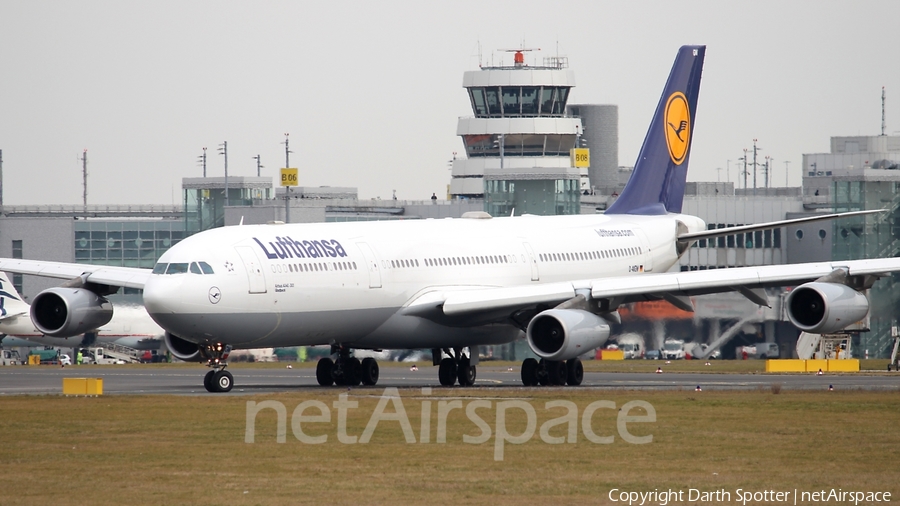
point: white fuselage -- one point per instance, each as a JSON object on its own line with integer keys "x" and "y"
{"x": 345, "y": 283}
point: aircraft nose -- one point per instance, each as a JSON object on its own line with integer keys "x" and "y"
{"x": 162, "y": 294}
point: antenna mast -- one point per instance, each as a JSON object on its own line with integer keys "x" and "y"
{"x": 84, "y": 178}
{"x": 883, "y": 125}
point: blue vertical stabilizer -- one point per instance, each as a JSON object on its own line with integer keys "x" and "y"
{"x": 657, "y": 183}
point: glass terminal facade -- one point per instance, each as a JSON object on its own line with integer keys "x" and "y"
{"x": 126, "y": 243}
{"x": 534, "y": 196}
{"x": 204, "y": 199}
{"x": 871, "y": 236}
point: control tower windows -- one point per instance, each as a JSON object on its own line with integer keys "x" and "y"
{"x": 518, "y": 101}
{"x": 479, "y": 105}
{"x": 559, "y": 106}
{"x": 548, "y": 96}
{"x": 511, "y": 105}
{"x": 519, "y": 145}
{"x": 530, "y": 100}
{"x": 493, "y": 102}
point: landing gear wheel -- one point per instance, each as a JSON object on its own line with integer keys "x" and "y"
{"x": 556, "y": 369}
{"x": 223, "y": 381}
{"x": 530, "y": 372}
{"x": 369, "y": 371}
{"x": 208, "y": 381}
{"x": 447, "y": 372}
{"x": 324, "y": 372}
{"x": 465, "y": 373}
{"x": 575, "y": 372}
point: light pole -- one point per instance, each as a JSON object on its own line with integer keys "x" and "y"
{"x": 744, "y": 159}
{"x": 287, "y": 189}
{"x": 500, "y": 142}
{"x": 223, "y": 150}
{"x": 259, "y": 165}
{"x": 202, "y": 160}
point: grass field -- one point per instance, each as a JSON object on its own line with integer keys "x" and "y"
{"x": 192, "y": 450}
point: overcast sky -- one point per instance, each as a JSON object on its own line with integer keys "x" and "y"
{"x": 370, "y": 92}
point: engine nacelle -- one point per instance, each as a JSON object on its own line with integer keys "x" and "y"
{"x": 183, "y": 349}
{"x": 563, "y": 334}
{"x": 822, "y": 308}
{"x": 67, "y": 312}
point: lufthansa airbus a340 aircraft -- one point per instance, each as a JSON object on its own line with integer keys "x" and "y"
{"x": 452, "y": 284}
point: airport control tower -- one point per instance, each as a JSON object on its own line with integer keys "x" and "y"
{"x": 518, "y": 143}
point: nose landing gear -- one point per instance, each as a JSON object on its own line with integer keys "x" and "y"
{"x": 217, "y": 380}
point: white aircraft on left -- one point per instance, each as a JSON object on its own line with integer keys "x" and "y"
{"x": 131, "y": 326}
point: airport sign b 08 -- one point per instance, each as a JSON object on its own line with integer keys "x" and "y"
{"x": 580, "y": 157}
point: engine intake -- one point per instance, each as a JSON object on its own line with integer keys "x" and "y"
{"x": 822, "y": 308}
{"x": 67, "y": 312}
{"x": 563, "y": 334}
{"x": 183, "y": 349}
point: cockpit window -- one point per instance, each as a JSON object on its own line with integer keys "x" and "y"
{"x": 207, "y": 269}
{"x": 195, "y": 269}
{"x": 160, "y": 268}
{"x": 177, "y": 268}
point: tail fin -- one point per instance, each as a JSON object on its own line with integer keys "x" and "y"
{"x": 657, "y": 183}
{"x": 11, "y": 303}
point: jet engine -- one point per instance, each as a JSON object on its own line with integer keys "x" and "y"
{"x": 67, "y": 312}
{"x": 183, "y": 349}
{"x": 563, "y": 334}
{"x": 822, "y": 308}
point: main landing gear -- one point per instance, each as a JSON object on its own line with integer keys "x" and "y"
{"x": 552, "y": 372}
{"x": 456, "y": 367}
{"x": 346, "y": 370}
{"x": 218, "y": 379}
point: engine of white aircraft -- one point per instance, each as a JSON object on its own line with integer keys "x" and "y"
{"x": 821, "y": 308}
{"x": 67, "y": 312}
{"x": 183, "y": 349}
{"x": 563, "y": 334}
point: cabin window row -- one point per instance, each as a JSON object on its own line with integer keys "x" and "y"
{"x": 314, "y": 267}
{"x": 476, "y": 260}
{"x": 403, "y": 264}
{"x": 591, "y": 255}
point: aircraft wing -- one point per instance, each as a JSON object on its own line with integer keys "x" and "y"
{"x": 641, "y": 287}
{"x": 130, "y": 277}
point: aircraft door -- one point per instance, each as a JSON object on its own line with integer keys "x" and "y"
{"x": 256, "y": 276}
{"x": 535, "y": 274}
{"x": 647, "y": 257}
{"x": 371, "y": 265}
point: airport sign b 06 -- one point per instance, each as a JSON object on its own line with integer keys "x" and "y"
{"x": 289, "y": 177}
